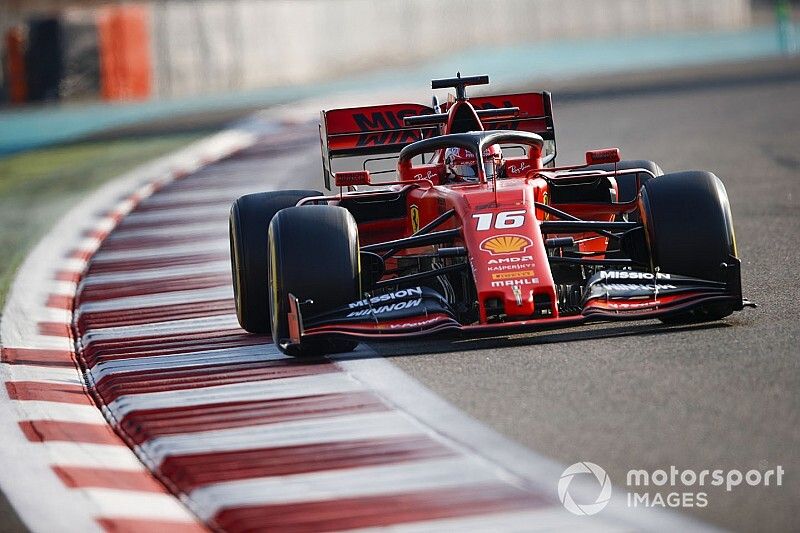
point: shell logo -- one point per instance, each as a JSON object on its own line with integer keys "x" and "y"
{"x": 506, "y": 244}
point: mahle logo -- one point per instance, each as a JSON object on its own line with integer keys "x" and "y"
{"x": 569, "y": 503}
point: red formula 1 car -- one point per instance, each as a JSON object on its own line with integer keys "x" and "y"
{"x": 477, "y": 232}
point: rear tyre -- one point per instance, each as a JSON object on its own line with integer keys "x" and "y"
{"x": 689, "y": 227}
{"x": 314, "y": 256}
{"x": 248, "y": 224}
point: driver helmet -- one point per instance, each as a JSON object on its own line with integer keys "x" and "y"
{"x": 461, "y": 166}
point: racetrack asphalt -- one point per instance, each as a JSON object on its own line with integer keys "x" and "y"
{"x": 645, "y": 396}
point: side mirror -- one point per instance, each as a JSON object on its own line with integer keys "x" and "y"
{"x": 606, "y": 155}
{"x": 348, "y": 179}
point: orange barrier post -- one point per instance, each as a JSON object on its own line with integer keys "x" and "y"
{"x": 17, "y": 77}
{"x": 125, "y": 66}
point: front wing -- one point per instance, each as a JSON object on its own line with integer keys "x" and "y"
{"x": 610, "y": 295}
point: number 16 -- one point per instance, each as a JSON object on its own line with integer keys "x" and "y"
{"x": 504, "y": 220}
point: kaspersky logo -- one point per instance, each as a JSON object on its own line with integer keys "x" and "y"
{"x": 506, "y": 244}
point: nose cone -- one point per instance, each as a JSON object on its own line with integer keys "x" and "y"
{"x": 509, "y": 263}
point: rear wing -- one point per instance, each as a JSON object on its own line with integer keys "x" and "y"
{"x": 380, "y": 130}
{"x": 365, "y": 131}
{"x": 535, "y": 113}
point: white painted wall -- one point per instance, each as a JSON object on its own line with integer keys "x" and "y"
{"x": 208, "y": 46}
{"x": 204, "y": 46}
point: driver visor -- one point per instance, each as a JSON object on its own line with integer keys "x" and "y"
{"x": 465, "y": 171}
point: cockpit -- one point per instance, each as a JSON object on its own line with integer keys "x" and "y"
{"x": 454, "y": 156}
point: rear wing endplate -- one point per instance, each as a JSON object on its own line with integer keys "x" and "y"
{"x": 365, "y": 131}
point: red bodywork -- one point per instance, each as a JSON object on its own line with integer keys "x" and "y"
{"x": 518, "y": 261}
{"x": 499, "y": 219}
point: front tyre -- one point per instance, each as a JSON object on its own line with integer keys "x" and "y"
{"x": 689, "y": 227}
{"x": 314, "y": 255}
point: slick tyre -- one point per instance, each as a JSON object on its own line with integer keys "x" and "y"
{"x": 248, "y": 225}
{"x": 314, "y": 256}
{"x": 689, "y": 228}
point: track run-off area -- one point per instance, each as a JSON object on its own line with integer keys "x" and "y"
{"x": 127, "y": 307}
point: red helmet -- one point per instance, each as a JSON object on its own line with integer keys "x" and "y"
{"x": 461, "y": 165}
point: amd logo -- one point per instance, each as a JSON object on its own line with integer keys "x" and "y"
{"x": 505, "y": 260}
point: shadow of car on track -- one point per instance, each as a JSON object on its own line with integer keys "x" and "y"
{"x": 434, "y": 344}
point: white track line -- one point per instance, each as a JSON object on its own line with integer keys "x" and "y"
{"x": 161, "y": 252}
{"x": 271, "y": 389}
{"x": 347, "y": 483}
{"x": 64, "y": 288}
{"x": 176, "y": 215}
{"x": 258, "y": 353}
{"x": 115, "y": 457}
{"x": 330, "y": 429}
{"x": 173, "y": 327}
{"x": 158, "y": 300}
{"x": 43, "y": 342}
{"x": 206, "y": 229}
{"x": 115, "y": 503}
{"x": 64, "y": 375}
{"x": 153, "y": 274}
{"x": 209, "y": 197}
{"x": 546, "y": 519}
{"x": 58, "y": 316}
{"x": 59, "y": 411}
{"x": 73, "y": 265}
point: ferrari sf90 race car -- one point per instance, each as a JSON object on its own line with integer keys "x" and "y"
{"x": 475, "y": 231}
